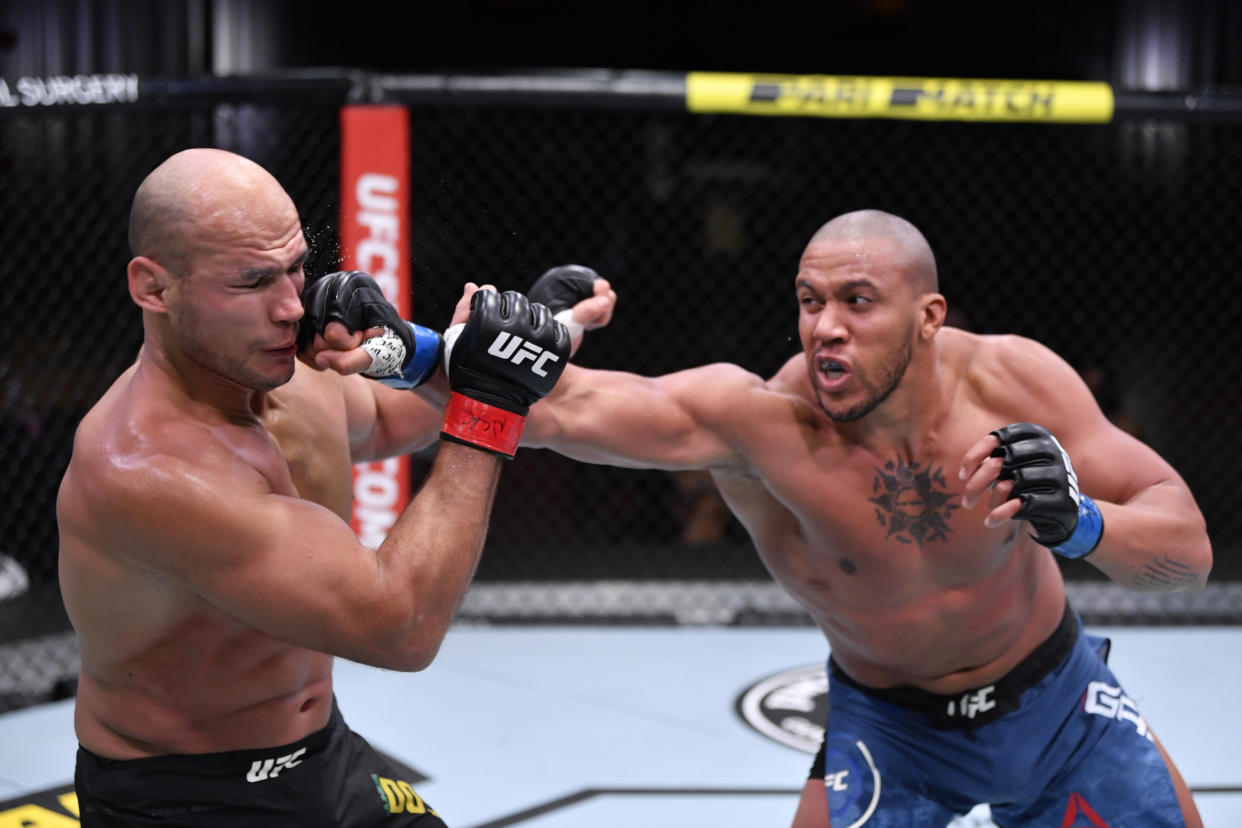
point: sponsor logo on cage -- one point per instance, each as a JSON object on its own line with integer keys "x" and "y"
{"x": 790, "y": 707}
{"x": 379, "y": 223}
{"x": 1001, "y": 99}
{"x": 379, "y": 214}
{"x": 69, "y": 89}
{"x": 518, "y": 350}
{"x": 915, "y": 98}
{"x": 377, "y": 493}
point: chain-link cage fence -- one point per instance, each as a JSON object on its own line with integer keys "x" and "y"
{"x": 1113, "y": 244}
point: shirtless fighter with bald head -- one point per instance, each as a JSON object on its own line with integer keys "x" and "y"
{"x": 958, "y": 673}
{"x": 206, "y": 558}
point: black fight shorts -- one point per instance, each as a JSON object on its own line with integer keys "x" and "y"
{"x": 331, "y": 778}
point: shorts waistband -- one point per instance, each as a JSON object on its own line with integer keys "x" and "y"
{"x": 978, "y": 706}
{"x": 225, "y": 762}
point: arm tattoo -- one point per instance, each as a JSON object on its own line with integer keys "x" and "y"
{"x": 1162, "y": 575}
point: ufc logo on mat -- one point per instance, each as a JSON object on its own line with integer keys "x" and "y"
{"x": 271, "y": 768}
{"x": 518, "y": 350}
{"x": 972, "y": 704}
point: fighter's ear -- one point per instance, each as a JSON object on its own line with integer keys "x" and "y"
{"x": 932, "y": 311}
{"x": 148, "y": 280}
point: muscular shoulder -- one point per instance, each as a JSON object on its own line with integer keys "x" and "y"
{"x": 1017, "y": 378}
{"x": 129, "y": 454}
{"x": 730, "y": 394}
{"x": 315, "y": 381}
{"x": 719, "y": 381}
{"x": 761, "y": 418}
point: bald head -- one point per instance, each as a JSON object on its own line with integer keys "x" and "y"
{"x": 192, "y": 190}
{"x": 901, "y": 240}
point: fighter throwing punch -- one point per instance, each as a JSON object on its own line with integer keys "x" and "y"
{"x": 206, "y": 558}
{"x": 958, "y": 672}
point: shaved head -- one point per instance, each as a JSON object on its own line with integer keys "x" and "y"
{"x": 218, "y": 267}
{"x": 904, "y": 242}
{"x": 194, "y": 189}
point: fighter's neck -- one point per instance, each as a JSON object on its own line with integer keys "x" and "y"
{"x": 196, "y": 388}
{"x": 912, "y": 416}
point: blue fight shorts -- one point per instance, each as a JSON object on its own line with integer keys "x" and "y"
{"x": 1056, "y": 742}
{"x": 330, "y": 779}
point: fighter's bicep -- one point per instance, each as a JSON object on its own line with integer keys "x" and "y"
{"x": 1113, "y": 465}
{"x": 361, "y": 409}
{"x": 300, "y": 573}
{"x": 716, "y": 409}
{"x": 268, "y": 559}
{"x": 1110, "y": 463}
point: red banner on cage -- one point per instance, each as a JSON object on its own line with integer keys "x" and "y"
{"x": 375, "y": 238}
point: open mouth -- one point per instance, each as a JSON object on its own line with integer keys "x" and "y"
{"x": 832, "y": 369}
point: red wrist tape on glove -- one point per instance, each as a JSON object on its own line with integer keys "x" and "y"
{"x": 482, "y": 425}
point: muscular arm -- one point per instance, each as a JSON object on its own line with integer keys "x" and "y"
{"x": 295, "y": 570}
{"x": 1155, "y": 537}
{"x": 684, "y": 420}
{"x": 383, "y": 421}
{"x": 386, "y": 422}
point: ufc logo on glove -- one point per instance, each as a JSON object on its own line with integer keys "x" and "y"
{"x": 506, "y": 344}
{"x": 492, "y": 387}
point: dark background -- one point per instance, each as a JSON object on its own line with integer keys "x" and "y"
{"x": 1151, "y": 44}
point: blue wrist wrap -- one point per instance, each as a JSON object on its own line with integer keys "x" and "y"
{"x": 1086, "y": 534}
{"x": 427, "y": 345}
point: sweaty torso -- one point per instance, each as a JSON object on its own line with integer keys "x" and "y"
{"x": 909, "y": 587}
{"x": 164, "y": 671}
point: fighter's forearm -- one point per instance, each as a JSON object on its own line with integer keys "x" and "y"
{"x": 1155, "y": 542}
{"x": 544, "y": 422}
{"x": 431, "y": 553}
{"x": 586, "y": 419}
{"x": 435, "y": 391}
{"x": 402, "y": 422}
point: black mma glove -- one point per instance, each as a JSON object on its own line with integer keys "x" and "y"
{"x": 508, "y": 354}
{"x": 1065, "y": 520}
{"x": 404, "y": 356}
{"x": 560, "y": 289}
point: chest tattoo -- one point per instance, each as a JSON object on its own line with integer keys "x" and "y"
{"x": 911, "y": 502}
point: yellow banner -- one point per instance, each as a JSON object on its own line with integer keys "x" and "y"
{"x": 925, "y": 99}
